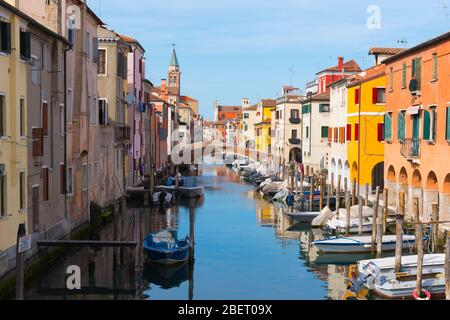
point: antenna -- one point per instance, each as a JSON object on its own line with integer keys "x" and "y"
{"x": 445, "y": 11}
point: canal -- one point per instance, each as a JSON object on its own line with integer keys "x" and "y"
{"x": 245, "y": 248}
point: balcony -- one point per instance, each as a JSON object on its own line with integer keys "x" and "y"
{"x": 122, "y": 133}
{"x": 294, "y": 120}
{"x": 295, "y": 141}
{"x": 411, "y": 149}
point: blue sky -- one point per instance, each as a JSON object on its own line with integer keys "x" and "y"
{"x": 230, "y": 49}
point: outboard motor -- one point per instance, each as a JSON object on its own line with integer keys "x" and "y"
{"x": 162, "y": 197}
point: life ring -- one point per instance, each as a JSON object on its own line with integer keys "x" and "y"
{"x": 427, "y": 294}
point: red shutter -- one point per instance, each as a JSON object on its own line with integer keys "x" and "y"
{"x": 45, "y": 118}
{"x": 374, "y": 95}
{"x": 62, "y": 179}
{"x": 38, "y": 142}
{"x": 380, "y": 132}
{"x": 45, "y": 184}
{"x": 356, "y": 131}
{"x": 349, "y": 132}
{"x": 357, "y": 96}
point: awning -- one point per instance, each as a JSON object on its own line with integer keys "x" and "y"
{"x": 414, "y": 110}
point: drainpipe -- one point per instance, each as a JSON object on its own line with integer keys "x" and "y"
{"x": 359, "y": 138}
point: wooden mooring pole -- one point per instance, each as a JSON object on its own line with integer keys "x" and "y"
{"x": 338, "y": 196}
{"x": 434, "y": 227}
{"x": 311, "y": 194}
{"x": 375, "y": 218}
{"x": 367, "y": 194}
{"x": 447, "y": 266}
{"x": 329, "y": 195}
{"x": 360, "y": 216}
{"x": 354, "y": 193}
{"x": 321, "y": 194}
{"x": 399, "y": 232}
{"x": 380, "y": 233}
{"x": 419, "y": 245}
{"x": 347, "y": 217}
{"x": 21, "y": 232}
{"x": 385, "y": 209}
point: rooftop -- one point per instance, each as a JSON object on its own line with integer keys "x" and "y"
{"x": 389, "y": 51}
{"x": 349, "y": 66}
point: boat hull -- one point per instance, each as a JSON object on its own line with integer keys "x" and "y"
{"x": 167, "y": 257}
{"x": 405, "y": 289}
{"x": 355, "y": 246}
{"x": 303, "y": 217}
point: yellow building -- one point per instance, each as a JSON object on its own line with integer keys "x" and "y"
{"x": 263, "y": 127}
{"x": 365, "y": 118}
{"x": 15, "y": 53}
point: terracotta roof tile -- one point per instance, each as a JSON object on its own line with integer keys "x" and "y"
{"x": 349, "y": 66}
{"x": 391, "y": 51}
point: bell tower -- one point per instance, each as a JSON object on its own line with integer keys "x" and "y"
{"x": 174, "y": 78}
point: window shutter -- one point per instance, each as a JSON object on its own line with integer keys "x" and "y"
{"x": 349, "y": 132}
{"x": 374, "y": 95}
{"x": 95, "y": 50}
{"x": 401, "y": 126}
{"x": 380, "y": 134}
{"x": 62, "y": 178}
{"x": 342, "y": 135}
{"x": 357, "y": 96}
{"x": 336, "y": 132}
{"x": 387, "y": 127}
{"x": 45, "y": 184}
{"x": 7, "y": 47}
{"x": 447, "y": 133}
{"x": 38, "y": 142}
{"x": 434, "y": 122}
{"x": 404, "y": 76}
{"x": 356, "y": 131}
{"x": 330, "y": 135}
{"x": 45, "y": 118}
{"x": 426, "y": 125}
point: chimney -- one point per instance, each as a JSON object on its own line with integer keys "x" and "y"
{"x": 164, "y": 93}
{"x": 341, "y": 63}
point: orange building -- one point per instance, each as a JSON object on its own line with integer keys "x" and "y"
{"x": 417, "y": 127}
{"x": 224, "y": 115}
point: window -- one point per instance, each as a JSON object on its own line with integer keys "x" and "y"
{"x": 306, "y": 108}
{"x": 380, "y": 132}
{"x": 25, "y": 40}
{"x": 95, "y": 50}
{"x": 336, "y": 135}
{"x": 433, "y": 123}
{"x": 356, "y": 131}
{"x": 447, "y": 126}
{"x": 295, "y": 114}
{"x": 401, "y": 134}
{"x": 102, "y": 112}
{"x": 281, "y": 114}
{"x": 417, "y": 71}
{"x": 71, "y": 35}
{"x": 22, "y": 190}
{"x": 307, "y": 132}
{"x": 2, "y": 116}
{"x": 388, "y": 127}
{"x": 324, "y": 108}
{"x": 426, "y": 125}
{"x": 324, "y": 132}
{"x": 38, "y": 142}
{"x": 3, "y": 196}
{"x": 246, "y": 116}
{"x": 101, "y": 66}
{"x": 349, "y": 132}
{"x": 404, "y": 76}
{"x": 5, "y": 37}
{"x": 294, "y": 134}
{"x": 62, "y": 178}
{"x": 391, "y": 79}
{"x": 379, "y": 96}
{"x": 69, "y": 181}
{"x": 44, "y": 122}
{"x": 45, "y": 184}
{"x": 435, "y": 66}
{"x": 357, "y": 96}
{"x": 87, "y": 45}
{"x": 22, "y": 115}
{"x": 342, "y": 135}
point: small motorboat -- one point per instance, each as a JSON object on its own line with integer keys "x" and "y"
{"x": 303, "y": 217}
{"x": 162, "y": 197}
{"x": 191, "y": 192}
{"x": 165, "y": 248}
{"x": 341, "y": 224}
{"x": 360, "y": 244}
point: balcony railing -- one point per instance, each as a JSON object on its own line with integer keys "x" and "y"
{"x": 411, "y": 148}
{"x": 294, "y": 120}
{"x": 296, "y": 142}
{"x": 122, "y": 133}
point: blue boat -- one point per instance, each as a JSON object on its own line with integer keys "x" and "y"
{"x": 165, "y": 248}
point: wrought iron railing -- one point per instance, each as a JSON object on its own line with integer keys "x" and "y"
{"x": 411, "y": 148}
{"x": 295, "y": 141}
{"x": 122, "y": 132}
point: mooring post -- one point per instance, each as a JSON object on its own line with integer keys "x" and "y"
{"x": 354, "y": 192}
{"x": 360, "y": 216}
{"x": 21, "y": 232}
{"x": 399, "y": 232}
{"x": 419, "y": 244}
{"x": 321, "y": 194}
{"x": 380, "y": 233}
{"x": 434, "y": 226}
{"x": 367, "y": 194}
{"x": 177, "y": 179}
{"x": 296, "y": 181}
{"x": 345, "y": 186}
{"x": 447, "y": 266}
{"x": 191, "y": 230}
{"x": 347, "y": 217}
{"x": 338, "y": 196}
{"x": 332, "y": 182}
{"x": 328, "y": 195}
{"x": 375, "y": 218}
{"x": 311, "y": 194}
{"x": 385, "y": 209}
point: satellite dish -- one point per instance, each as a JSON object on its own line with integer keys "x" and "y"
{"x": 130, "y": 98}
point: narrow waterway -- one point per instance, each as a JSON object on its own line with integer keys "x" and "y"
{"x": 245, "y": 248}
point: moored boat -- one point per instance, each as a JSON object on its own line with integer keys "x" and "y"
{"x": 165, "y": 248}
{"x": 303, "y": 217}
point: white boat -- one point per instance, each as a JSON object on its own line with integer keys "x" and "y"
{"x": 387, "y": 265}
{"x": 191, "y": 192}
{"x": 360, "y": 244}
{"x": 303, "y": 217}
{"x": 396, "y": 286}
{"x": 164, "y": 188}
{"x": 341, "y": 224}
{"x": 162, "y": 197}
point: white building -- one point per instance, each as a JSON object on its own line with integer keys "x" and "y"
{"x": 249, "y": 118}
{"x": 338, "y": 164}
{"x": 316, "y": 119}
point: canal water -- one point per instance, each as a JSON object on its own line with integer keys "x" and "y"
{"x": 245, "y": 248}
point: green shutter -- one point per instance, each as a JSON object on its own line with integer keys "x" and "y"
{"x": 447, "y": 132}
{"x": 324, "y": 132}
{"x": 387, "y": 127}
{"x": 401, "y": 126}
{"x": 426, "y": 125}
{"x": 306, "y": 108}
{"x": 435, "y": 66}
{"x": 434, "y": 122}
{"x": 404, "y": 76}
{"x": 419, "y": 72}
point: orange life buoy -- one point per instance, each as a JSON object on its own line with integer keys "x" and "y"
{"x": 427, "y": 294}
